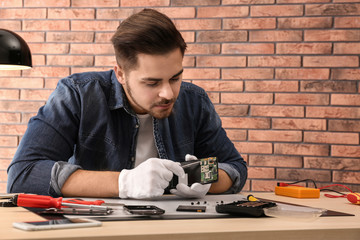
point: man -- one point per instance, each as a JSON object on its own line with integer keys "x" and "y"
{"x": 123, "y": 132}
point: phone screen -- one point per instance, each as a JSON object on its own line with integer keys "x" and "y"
{"x": 144, "y": 209}
{"x": 56, "y": 224}
{"x": 58, "y": 221}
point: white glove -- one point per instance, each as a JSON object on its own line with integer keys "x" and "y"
{"x": 149, "y": 179}
{"x": 197, "y": 190}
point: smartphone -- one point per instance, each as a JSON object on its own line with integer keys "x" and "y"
{"x": 56, "y": 224}
{"x": 144, "y": 209}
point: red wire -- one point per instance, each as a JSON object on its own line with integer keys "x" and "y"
{"x": 333, "y": 196}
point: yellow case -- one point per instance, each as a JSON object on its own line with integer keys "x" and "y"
{"x": 297, "y": 192}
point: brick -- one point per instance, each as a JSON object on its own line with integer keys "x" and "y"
{"x": 263, "y": 186}
{"x": 72, "y": 60}
{"x": 198, "y": 24}
{"x": 221, "y": 36}
{"x": 274, "y": 61}
{"x": 332, "y": 9}
{"x": 246, "y": 48}
{"x": 7, "y": 152}
{"x": 220, "y": 85}
{"x": 189, "y": 37}
{"x": 333, "y": 112}
{"x": 347, "y": 22}
{"x": 6, "y": 94}
{"x": 101, "y": 37}
{"x": 3, "y": 187}
{"x": 253, "y": 147}
{"x": 305, "y": 74}
{"x": 328, "y": 86}
{"x": 189, "y": 61}
{"x": 4, "y": 163}
{"x": 332, "y": 163}
{"x": 277, "y": 111}
{"x": 233, "y": 2}
{"x": 223, "y": 12}
{"x": 274, "y": 136}
{"x": 305, "y": 22}
{"x": 346, "y": 177}
{"x": 95, "y": 3}
{"x": 6, "y": 117}
{"x": 331, "y": 35}
{"x": 96, "y": 49}
{"x": 221, "y": 61}
{"x": 300, "y": 174}
{"x": 71, "y": 13}
{"x": 271, "y": 86}
{"x": 12, "y": 129}
{"x": 344, "y": 125}
{"x": 144, "y": 3}
{"x": 261, "y": 172}
{"x": 70, "y": 37}
{"x": 47, "y": 72}
{"x": 214, "y": 97}
{"x": 301, "y": 149}
{"x": 345, "y": 99}
{"x": 194, "y": 2}
{"x": 345, "y": 151}
{"x": 45, "y": 48}
{"x": 10, "y": 73}
{"x": 38, "y": 60}
{"x": 275, "y": 161}
{"x": 8, "y": 141}
{"x": 32, "y": 37}
{"x": 26, "y": 117}
{"x": 232, "y": 110}
{"x": 21, "y": 82}
{"x": 236, "y": 135}
{"x": 276, "y": 10}
{"x": 248, "y": 73}
{"x": 22, "y": 13}
{"x": 346, "y": 74}
{"x": 245, "y": 123}
{"x": 14, "y": 25}
{"x": 331, "y": 137}
{"x": 53, "y": 25}
{"x": 196, "y": 48}
{"x": 90, "y": 25}
{"x": 32, "y": 94}
{"x": 303, "y": 48}
{"x": 179, "y": 12}
{"x": 301, "y": 124}
{"x": 52, "y": 82}
{"x": 201, "y": 73}
{"x": 48, "y": 3}
{"x": 104, "y": 61}
{"x": 301, "y": 99}
{"x": 11, "y": 3}
{"x": 347, "y": 48}
{"x": 249, "y": 23}
{"x": 115, "y": 13}
{"x": 331, "y": 61}
{"x": 247, "y": 98}
{"x": 275, "y": 36}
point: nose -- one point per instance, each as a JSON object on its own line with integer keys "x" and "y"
{"x": 166, "y": 91}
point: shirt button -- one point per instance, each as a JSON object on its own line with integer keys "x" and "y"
{"x": 137, "y": 126}
{"x": 132, "y": 159}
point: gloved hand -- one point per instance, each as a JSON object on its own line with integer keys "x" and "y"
{"x": 197, "y": 190}
{"x": 149, "y": 179}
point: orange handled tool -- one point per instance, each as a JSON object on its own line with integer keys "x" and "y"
{"x": 353, "y": 197}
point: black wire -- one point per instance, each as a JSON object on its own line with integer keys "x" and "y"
{"x": 331, "y": 190}
{"x": 306, "y": 181}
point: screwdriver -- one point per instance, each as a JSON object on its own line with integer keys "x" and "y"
{"x": 41, "y": 201}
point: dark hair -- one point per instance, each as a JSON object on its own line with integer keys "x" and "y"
{"x": 148, "y": 32}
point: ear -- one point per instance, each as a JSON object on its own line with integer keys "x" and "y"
{"x": 120, "y": 74}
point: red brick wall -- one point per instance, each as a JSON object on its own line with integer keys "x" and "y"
{"x": 284, "y": 75}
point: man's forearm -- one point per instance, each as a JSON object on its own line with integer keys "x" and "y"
{"x": 83, "y": 183}
{"x": 223, "y": 184}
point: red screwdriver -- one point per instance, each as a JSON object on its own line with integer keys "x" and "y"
{"x": 41, "y": 201}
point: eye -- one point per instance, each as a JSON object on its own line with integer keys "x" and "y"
{"x": 175, "y": 79}
{"x": 152, "y": 84}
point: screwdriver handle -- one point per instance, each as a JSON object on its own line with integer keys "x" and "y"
{"x": 353, "y": 197}
{"x": 37, "y": 201}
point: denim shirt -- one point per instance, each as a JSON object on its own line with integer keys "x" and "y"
{"x": 88, "y": 124}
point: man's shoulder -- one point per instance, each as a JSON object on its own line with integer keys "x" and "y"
{"x": 190, "y": 88}
{"x": 102, "y": 77}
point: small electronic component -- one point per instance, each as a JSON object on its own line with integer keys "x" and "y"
{"x": 191, "y": 208}
{"x": 245, "y": 208}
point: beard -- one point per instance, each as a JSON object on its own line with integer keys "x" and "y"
{"x": 154, "y": 109}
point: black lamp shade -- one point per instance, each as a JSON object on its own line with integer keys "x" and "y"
{"x": 14, "y": 52}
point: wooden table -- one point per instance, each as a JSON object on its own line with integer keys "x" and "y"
{"x": 328, "y": 228}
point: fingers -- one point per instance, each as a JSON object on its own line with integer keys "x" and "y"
{"x": 174, "y": 167}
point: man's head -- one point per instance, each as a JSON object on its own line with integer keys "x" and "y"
{"x": 148, "y": 32}
{"x": 149, "y": 53}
